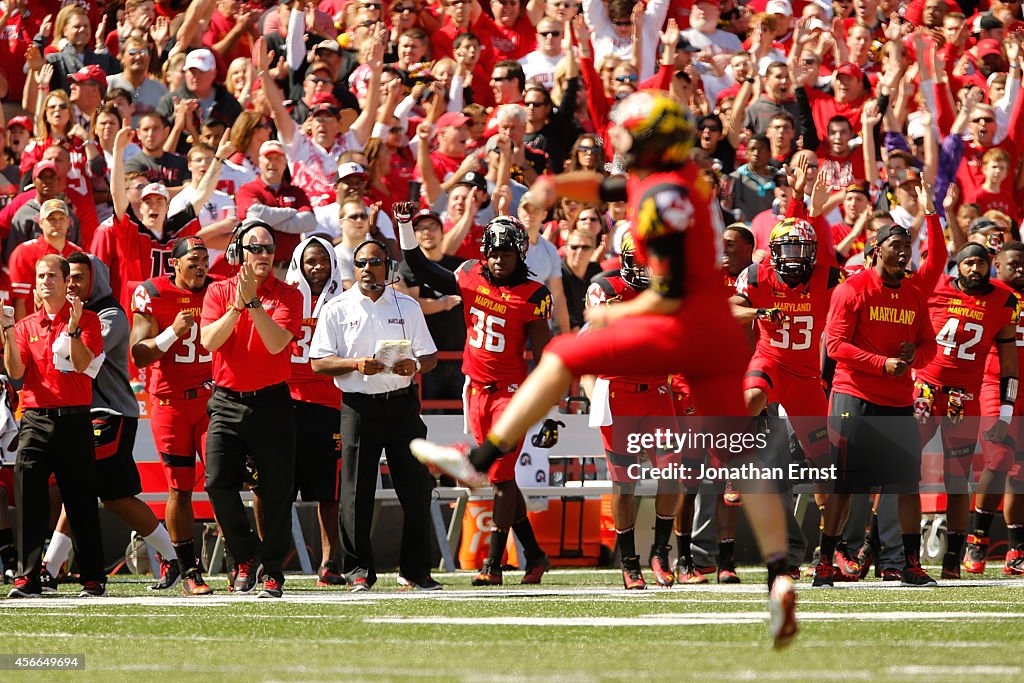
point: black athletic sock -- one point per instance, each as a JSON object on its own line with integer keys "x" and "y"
{"x": 8, "y": 551}
{"x": 186, "y": 552}
{"x": 982, "y": 522}
{"x": 726, "y": 550}
{"x": 524, "y": 532}
{"x": 911, "y": 548}
{"x": 484, "y": 455}
{"x": 499, "y": 538}
{"x": 776, "y": 565}
{"x": 955, "y": 546}
{"x": 828, "y": 547}
{"x": 1015, "y": 532}
{"x": 683, "y": 546}
{"x": 662, "y": 529}
{"x": 873, "y": 535}
{"x": 627, "y": 541}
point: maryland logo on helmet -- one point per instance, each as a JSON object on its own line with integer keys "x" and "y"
{"x": 794, "y": 248}
{"x": 661, "y": 128}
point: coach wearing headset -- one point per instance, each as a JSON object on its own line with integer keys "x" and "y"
{"x": 380, "y": 409}
{"x": 248, "y": 324}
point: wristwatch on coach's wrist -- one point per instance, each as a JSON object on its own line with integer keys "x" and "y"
{"x": 254, "y": 302}
{"x": 77, "y": 334}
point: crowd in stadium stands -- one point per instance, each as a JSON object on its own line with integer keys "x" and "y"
{"x": 138, "y": 135}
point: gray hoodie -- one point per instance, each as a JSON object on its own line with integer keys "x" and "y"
{"x": 111, "y": 388}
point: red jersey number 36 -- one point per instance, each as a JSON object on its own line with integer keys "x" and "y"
{"x": 486, "y": 332}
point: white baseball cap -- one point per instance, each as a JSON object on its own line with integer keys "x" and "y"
{"x": 155, "y": 188}
{"x": 782, "y": 7}
{"x": 201, "y": 59}
{"x": 272, "y": 147}
{"x": 351, "y": 168}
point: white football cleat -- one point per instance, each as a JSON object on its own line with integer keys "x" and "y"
{"x": 452, "y": 460}
{"x": 782, "y": 612}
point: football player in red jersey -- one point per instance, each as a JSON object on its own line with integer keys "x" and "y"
{"x": 644, "y": 401}
{"x": 968, "y": 312}
{"x": 315, "y": 274}
{"x": 665, "y": 329}
{"x": 1004, "y": 467}
{"x": 504, "y": 309}
{"x": 165, "y": 339}
{"x": 789, "y": 297}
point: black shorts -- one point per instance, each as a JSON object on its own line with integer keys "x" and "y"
{"x": 873, "y": 445}
{"x": 117, "y": 476}
{"x": 317, "y": 451}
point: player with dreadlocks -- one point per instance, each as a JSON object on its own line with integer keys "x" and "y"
{"x": 504, "y": 309}
{"x": 665, "y": 329}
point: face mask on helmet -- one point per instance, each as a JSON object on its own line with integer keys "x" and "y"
{"x": 794, "y": 248}
{"x": 635, "y": 275}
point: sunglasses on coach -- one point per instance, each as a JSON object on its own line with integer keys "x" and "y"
{"x": 259, "y": 249}
{"x": 363, "y": 262}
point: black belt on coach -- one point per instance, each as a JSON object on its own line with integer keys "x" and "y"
{"x": 404, "y": 391}
{"x": 59, "y": 412}
{"x": 230, "y": 393}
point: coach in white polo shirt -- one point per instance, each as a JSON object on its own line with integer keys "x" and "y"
{"x": 380, "y": 409}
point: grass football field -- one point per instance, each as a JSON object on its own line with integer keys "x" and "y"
{"x": 578, "y": 626}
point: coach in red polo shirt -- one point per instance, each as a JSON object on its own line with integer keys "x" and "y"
{"x": 273, "y": 200}
{"x": 248, "y": 324}
{"x": 55, "y": 350}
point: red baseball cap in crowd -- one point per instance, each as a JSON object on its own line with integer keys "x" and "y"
{"x": 452, "y": 118}
{"x": 325, "y": 102}
{"x": 987, "y": 48}
{"x": 23, "y": 121}
{"x": 44, "y": 166}
{"x": 91, "y": 73}
{"x": 272, "y": 147}
{"x": 849, "y": 69}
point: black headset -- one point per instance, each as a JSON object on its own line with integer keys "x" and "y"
{"x": 234, "y": 252}
{"x": 389, "y": 264}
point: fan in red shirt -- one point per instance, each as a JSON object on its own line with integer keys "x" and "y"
{"x": 137, "y": 247}
{"x": 655, "y": 333}
{"x": 970, "y": 175}
{"x": 991, "y": 194}
{"x": 645, "y": 403}
{"x": 1004, "y": 467}
{"x": 165, "y": 341}
{"x": 54, "y": 222}
{"x": 275, "y": 201}
{"x": 968, "y": 313}
{"x": 515, "y": 35}
{"x": 504, "y": 309}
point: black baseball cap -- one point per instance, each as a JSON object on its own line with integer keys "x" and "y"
{"x": 891, "y": 230}
{"x": 476, "y": 180}
{"x": 982, "y": 224}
